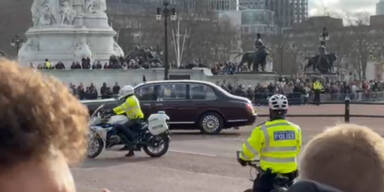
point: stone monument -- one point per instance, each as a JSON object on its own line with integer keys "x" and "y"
{"x": 67, "y": 31}
{"x": 323, "y": 62}
{"x": 258, "y": 60}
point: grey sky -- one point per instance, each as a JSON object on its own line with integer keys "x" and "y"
{"x": 316, "y": 7}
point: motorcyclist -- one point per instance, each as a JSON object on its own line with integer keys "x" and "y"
{"x": 278, "y": 143}
{"x": 131, "y": 108}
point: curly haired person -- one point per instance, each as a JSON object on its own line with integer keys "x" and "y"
{"x": 43, "y": 130}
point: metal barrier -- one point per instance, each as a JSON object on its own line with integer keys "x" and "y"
{"x": 347, "y": 114}
{"x": 328, "y": 98}
{"x": 357, "y": 96}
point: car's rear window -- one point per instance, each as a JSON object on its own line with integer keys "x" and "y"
{"x": 202, "y": 92}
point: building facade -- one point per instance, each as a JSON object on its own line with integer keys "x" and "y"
{"x": 183, "y": 6}
{"x": 255, "y": 21}
{"x": 380, "y": 8}
{"x": 252, "y": 4}
{"x": 288, "y": 12}
{"x": 300, "y": 10}
{"x": 134, "y": 6}
{"x": 223, "y": 5}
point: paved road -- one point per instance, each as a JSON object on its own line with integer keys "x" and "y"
{"x": 197, "y": 162}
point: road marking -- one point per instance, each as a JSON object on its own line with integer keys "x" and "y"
{"x": 193, "y": 153}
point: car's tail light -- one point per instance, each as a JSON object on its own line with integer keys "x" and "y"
{"x": 250, "y": 109}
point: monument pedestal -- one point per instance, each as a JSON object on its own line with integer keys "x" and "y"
{"x": 259, "y": 73}
{"x": 246, "y": 79}
{"x": 329, "y": 76}
{"x": 60, "y": 33}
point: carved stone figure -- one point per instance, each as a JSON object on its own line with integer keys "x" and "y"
{"x": 40, "y": 12}
{"x": 43, "y": 13}
{"x": 91, "y": 6}
{"x": 67, "y": 14}
{"x": 35, "y": 12}
{"x": 257, "y": 59}
{"x": 47, "y": 17}
{"x": 95, "y": 6}
{"x": 81, "y": 49}
{"x": 323, "y": 64}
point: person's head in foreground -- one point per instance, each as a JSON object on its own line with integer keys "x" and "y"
{"x": 43, "y": 129}
{"x": 348, "y": 157}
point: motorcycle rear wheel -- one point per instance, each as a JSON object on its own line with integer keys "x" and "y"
{"x": 158, "y": 147}
{"x": 95, "y": 147}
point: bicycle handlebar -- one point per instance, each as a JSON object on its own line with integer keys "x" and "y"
{"x": 254, "y": 163}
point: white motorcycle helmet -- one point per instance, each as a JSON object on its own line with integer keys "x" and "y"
{"x": 126, "y": 91}
{"x": 278, "y": 103}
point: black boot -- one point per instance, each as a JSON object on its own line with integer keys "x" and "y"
{"x": 130, "y": 154}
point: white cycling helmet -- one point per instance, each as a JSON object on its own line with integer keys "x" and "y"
{"x": 278, "y": 102}
{"x": 125, "y": 91}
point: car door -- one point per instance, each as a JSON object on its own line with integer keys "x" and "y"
{"x": 202, "y": 98}
{"x": 172, "y": 98}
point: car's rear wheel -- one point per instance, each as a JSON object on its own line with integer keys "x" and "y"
{"x": 211, "y": 123}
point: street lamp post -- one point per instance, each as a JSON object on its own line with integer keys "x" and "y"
{"x": 167, "y": 13}
{"x": 17, "y": 42}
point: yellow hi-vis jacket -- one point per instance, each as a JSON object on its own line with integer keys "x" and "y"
{"x": 131, "y": 107}
{"x": 48, "y": 65}
{"x": 278, "y": 144}
{"x": 317, "y": 86}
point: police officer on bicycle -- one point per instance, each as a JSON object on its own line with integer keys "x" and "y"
{"x": 278, "y": 144}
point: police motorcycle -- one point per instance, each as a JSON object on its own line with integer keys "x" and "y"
{"x": 280, "y": 184}
{"x": 153, "y": 136}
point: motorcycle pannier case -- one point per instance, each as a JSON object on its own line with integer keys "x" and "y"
{"x": 157, "y": 123}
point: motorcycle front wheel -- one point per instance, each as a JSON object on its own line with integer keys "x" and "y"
{"x": 157, "y": 147}
{"x": 95, "y": 147}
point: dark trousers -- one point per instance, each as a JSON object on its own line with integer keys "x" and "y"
{"x": 265, "y": 181}
{"x": 317, "y": 97}
{"x": 130, "y": 130}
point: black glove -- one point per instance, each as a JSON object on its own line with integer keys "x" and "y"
{"x": 109, "y": 112}
{"x": 242, "y": 162}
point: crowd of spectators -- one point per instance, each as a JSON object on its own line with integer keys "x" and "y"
{"x": 228, "y": 68}
{"x": 91, "y": 93}
{"x": 356, "y": 89}
{"x": 300, "y": 91}
{"x": 114, "y": 63}
{"x": 140, "y": 58}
